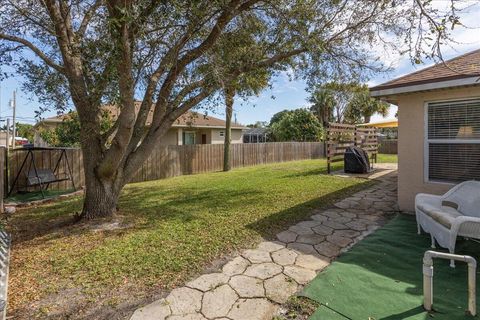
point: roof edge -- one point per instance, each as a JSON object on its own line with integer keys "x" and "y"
{"x": 425, "y": 86}
{"x": 444, "y": 62}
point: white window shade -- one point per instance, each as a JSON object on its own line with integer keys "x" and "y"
{"x": 453, "y": 141}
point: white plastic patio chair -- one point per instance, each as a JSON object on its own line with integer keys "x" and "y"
{"x": 456, "y": 213}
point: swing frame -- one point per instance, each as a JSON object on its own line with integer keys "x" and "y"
{"x": 42, "y": 177}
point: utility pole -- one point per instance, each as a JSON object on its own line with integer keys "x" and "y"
{"x": 7, "y": 142}
{"x": 14, "y": 134}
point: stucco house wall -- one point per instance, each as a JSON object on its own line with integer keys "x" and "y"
{"x": 207, "y": 130}
{"x": 411, "y": 142}
{"x": 217, "y": 138}
{"x": 213, "y": 136}
{"x": 170, "y": 138}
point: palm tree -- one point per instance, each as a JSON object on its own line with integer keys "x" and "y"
{"x": 364, "y": 106}
{"x": 323, "y": 104}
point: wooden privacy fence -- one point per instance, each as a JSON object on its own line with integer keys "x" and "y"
{"x": 340, "y": 136}
{"x": 389, "y": 146}
{"x": 170, "y": 161}
{"x": 45, "y": 159}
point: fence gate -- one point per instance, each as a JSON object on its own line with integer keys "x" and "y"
{"x": 340, "y": 136}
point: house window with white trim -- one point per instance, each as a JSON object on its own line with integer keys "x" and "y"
{"x": 453, "y": 141}
{"x": 188, "y": 137}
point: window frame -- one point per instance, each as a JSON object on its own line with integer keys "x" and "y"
{"x": 427, "y": 141}
{"x": 194, "y": 138}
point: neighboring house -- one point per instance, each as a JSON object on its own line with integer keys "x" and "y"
{"x": 18, "y": 140}
{"x": 439, "y": 126}
{"x": 255, "y": 135}
{"x": 190, "y": 128}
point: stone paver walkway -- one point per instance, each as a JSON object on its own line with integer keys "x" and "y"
{"x": 253, "y": 285}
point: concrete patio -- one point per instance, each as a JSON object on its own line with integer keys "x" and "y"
{"x": 255, "y": 283}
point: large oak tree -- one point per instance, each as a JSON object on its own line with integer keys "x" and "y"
{"x": 87, "y": 53}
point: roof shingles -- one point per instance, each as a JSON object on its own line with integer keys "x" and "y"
{"x": 188, "y": 119}
{"x": 464, "y": 66}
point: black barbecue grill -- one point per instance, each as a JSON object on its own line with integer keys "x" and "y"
{"x": 356, "y": 160}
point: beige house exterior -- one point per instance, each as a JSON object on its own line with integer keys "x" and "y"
{"x": 438, "y": 126}
{"x": 191, "y": 128}
{"x": 180, "y": 135}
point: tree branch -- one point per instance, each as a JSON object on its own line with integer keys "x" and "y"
{"x": 35, "y": 49}
{"x": 88, "y": 17}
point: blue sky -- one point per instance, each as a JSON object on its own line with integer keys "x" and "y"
{"x": 288, "y": 94}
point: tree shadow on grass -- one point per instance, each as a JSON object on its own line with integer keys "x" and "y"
{"x": 140, "y": 208}
{"x": 187, "y": 204}
{"x": 269, "y": 226}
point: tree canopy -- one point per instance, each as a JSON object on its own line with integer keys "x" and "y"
{"x": 67, "y": 132}
{"x": 25, "y": 130}
{"x": 297, "y": 125}
{"x": 323, "y": 104}
{"x": 84, "y": 54}
{"x": 362, "y": 107}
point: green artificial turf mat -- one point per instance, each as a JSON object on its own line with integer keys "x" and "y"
{"x": 381, "y": 278}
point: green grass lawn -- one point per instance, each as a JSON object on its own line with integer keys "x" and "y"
{"x": 170, "y": 230}
{"x": 387, "y": 158}
{"x": 36, "y": 195}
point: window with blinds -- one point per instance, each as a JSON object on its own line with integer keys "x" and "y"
{"x": 453, "y": 141}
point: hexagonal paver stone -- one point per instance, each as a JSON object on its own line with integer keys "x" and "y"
{"x": 236, "y": 266}
{"x": 284, "y": 257}
{"x": 322, "y": 230}
{"x": 365, "y": 222}
{"x": 257, "y": 256}
{"x": 319, "y": 217}
{"x": 339, "y": 241}
{"x": 218, "y": 302}
{"x": 357, "y": 226}
{"x": 311, "y": 262}
{"x": 327, "y": 249}
{"x": 341, "y": 219}
{"x": 301, "y": 230}
{"x": 334, "y": 225}
{"x": 308, "y": 224}
{"x": 193, "y": 316}
{"x": 280, "y": 288}
{"x": 331, "y": 214}
{"x": 342, "y": 204}
{"x": 287, "y": 236}
{"x": 311, "y": 239}
{"x": 247, "y": 287}
{"x": 263, "y": 270}
{"x": 299, "y": 274}
{"x": 346, "y": 233}
{"x": 270, "y": 246}
{"x": 208, "y": 281}
{"x": 301, "y": 247}
{"x": 155, "y": 310}
{"x": 347, "y": 214}
{"x": 184, "y": 301}
{"x": 252, "y": 309}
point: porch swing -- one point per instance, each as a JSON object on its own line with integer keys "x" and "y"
{"x": 42, "y": 177}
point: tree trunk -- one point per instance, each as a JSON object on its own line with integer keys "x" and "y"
{"x": 100, "y": 198}
{"x": 229, "y": 96}
{"x": 102, "y": 187}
